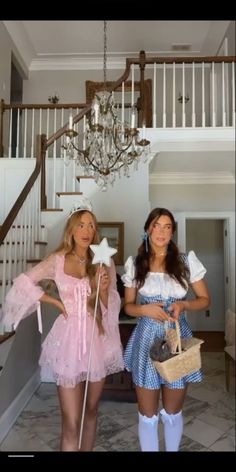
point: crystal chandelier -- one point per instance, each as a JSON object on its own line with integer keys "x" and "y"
{"x": 109, "y": 144}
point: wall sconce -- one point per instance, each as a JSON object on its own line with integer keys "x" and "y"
{"x": 54, "y": 98}
{"x": 186, "y": 98}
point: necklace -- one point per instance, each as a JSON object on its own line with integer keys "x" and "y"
{"x": 161, "y": 254}
{"x": 81, "y": 260}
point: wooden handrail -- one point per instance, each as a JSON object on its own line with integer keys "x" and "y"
{"x": 187, "y": 59}
{"x": 43, "y": 106}
{"x": 29, "y": 184}
{"x": 62, "y": 130}
{"x": 87, "y": 108}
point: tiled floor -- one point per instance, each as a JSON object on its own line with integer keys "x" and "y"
{"x": 209, "y": 416}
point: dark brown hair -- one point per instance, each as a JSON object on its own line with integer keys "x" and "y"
{"x": 175, "y": 266}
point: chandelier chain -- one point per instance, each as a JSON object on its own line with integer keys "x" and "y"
{"x": 105, "y": 54}
{"x": 110, "y": 141}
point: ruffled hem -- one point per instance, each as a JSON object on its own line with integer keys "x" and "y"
{"x": 47, "y": 375}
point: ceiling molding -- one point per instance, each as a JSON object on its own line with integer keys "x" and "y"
{"x": 191, "y": 178}
{"x": 75, "y": 63}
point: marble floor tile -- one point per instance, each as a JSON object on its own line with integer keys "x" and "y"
{"x": 224, "y": 443}
{"x": 209, "y": 418}
{"x": 202, "y": 432}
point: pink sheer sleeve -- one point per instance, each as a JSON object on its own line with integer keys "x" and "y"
{"x": 110, "y": 315}
{"x": 22, "y": 298}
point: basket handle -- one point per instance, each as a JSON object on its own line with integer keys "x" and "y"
{"x": 178, "y": 336}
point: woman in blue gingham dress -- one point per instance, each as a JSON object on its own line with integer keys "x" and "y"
{"x": 157, "y": 282}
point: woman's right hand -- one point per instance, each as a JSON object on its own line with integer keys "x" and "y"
{"x": 61, "y": 307}
{"x": 155, "y": 311}
{"x": 54, "y": 301}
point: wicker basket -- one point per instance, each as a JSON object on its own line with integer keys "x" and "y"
{"x": 186, "y": 361}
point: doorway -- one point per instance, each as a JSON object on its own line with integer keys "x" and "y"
{"x": 206, "y": 237}
{"x": 16, "y": 94}
{"x": 211, "y": 236}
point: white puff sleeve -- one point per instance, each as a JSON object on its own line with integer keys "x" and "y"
{"x": 128, "y": 277}
{"x": 197, "y": 269}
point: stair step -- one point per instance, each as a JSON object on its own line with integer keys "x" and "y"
{"x": 69, "y": 193}
{"x": 33, "y": 261}
{"x": 27, "y": 226}
{"x": 52, "y": 209}
{"x": 4, "y": 337}
{"x": 18, "y": 242}
{"x": 78, "y": 177}
{"x": 7, "y": 261}
{"x": 30, "y": 261}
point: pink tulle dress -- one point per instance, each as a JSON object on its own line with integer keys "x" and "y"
{"x": 65, "y": 350}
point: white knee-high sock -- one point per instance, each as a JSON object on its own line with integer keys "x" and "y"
{"x": 148, "y": 433}
{"x": 173, "y": 429}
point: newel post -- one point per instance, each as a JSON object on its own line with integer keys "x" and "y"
{"x": 2, "y": 106}
{"x": 41, "y": 155}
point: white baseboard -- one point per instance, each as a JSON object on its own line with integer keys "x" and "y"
{"x": 13, "y": 411}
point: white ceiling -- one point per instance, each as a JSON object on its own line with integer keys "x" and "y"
{"x": 44, "y": 42}
{"x": 79, "y": 44}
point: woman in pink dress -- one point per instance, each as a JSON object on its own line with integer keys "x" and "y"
{"x": 65, "y": 351}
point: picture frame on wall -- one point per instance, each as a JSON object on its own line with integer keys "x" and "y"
{"x": 114, "y": 232}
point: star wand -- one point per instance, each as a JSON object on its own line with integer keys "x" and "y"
{"x": 102, "y": 255}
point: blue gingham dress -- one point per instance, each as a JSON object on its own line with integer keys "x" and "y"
{"x": 158, "y": 287}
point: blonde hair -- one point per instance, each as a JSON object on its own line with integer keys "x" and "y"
{"x": 67, "y": 246}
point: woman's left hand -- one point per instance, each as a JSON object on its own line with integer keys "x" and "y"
{"x": 104, "y": 279}
{"x": 176, "y": 308}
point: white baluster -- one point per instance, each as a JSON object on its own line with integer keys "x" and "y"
{"x": 183, "y": 95}
{"x": 213, "y": 95}
{"x": 25, "y": 133}
{"x": 10, "y": 135}
{"x": 17, "y": 132}
{"x": 203, "y": 96}
{"x": 173, "y": 99}
{"x": 154, "y": 98}
{"x": 164, "y": 95}
{"x": 233, "y": 94}
{"x": 32, "y": 135}
{"x": 193, "y": 96}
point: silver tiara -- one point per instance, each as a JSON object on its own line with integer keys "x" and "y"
{"x": 82, "y": 205}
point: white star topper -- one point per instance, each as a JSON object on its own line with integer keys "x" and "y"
{"x": 102, "y": 252}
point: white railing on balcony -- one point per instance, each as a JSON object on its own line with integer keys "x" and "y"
{"x": 184, "y": 94}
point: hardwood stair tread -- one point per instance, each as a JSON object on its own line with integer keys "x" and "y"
{"x": 52, "y": 209}
{"x": 69, "y": 193}
{"x": 4, "y": 337}
{"x": 78, "y": 177}
{"x": 19, "y": 260}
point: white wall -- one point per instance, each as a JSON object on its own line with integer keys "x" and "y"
{"x": 208, "y": 197}
{"x": 14, "y": 174}
{"x": 69, "y": 84}
{"x": 127, "y": 201}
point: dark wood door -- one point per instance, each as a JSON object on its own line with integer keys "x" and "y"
{"x": 120, "y": 386}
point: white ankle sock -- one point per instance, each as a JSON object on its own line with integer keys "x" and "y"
{"x": 173, "y": 429}
{"x": 148, "y": 433}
